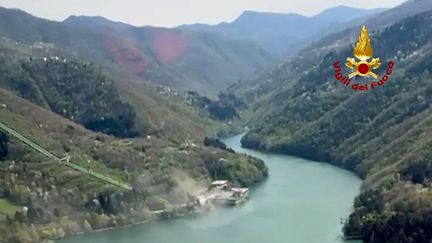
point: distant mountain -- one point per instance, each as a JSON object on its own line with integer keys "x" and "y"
{"x": 204, "y": 62}
{"x": 265, "y": 81}
{"x": 344, "y": 14}
{"x": 374, "y": 23}
{"x": 93, "y": 22}
{"x": 283, "y": 33}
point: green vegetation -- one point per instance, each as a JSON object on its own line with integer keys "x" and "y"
{"x": 383, "y": 134}
{"x": 216, "y": 143}
{"x": 245, "y": 171}
{"x": 224, "y": 108}
{"x": 58, "y": 198}
{"x": 164, "y": 113}
{"x": 77, "y": 91}
{"x": 69, "y": 87}
{"x": 163, "y": 158}
{"x": 204, "y": 62}
{"x": 7, "y": 207}
{"x": 3, "y": 145}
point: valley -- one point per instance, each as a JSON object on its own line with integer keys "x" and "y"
{"x": 381, "y": 134}
{"x": 106, "y": 125}
{"x": 113, "y": 127}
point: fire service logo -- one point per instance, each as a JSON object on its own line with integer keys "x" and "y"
{"x": 361, "y": 66}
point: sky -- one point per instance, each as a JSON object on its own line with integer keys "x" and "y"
{"x": 169, "y": 13}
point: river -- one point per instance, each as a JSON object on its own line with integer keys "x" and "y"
{"x": 301, "y": 202}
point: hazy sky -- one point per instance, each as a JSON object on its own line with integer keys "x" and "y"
{"x": 176, "y": 12}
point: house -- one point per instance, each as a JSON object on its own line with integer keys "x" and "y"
{"x": 221, "y": 184}
{"x": 221, "y": 193}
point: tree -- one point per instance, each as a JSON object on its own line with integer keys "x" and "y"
{"x": 87, "y": 226}
{"x": 417, "y": 173}
{"x": 23, "y": 236}
{"x": 34, "y": 234}
{"x": 3, "y": 145}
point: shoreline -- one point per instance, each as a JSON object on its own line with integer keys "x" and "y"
{"x": 142, "y": 222}
{"x": 197, "y": 211}
{"x": 335, "y": 163}
{"x": 264, "y": 150}
{"x": 108, "y": 229}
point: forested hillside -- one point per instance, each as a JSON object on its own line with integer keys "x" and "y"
{"x": 284, "y": 73}
{"x": 142, "y": 105}
{"x": 382, "y": 134}
{"x": 203, "y": 62}
{"x": 61, "y": 201}
{"x": 143, "y": 135}
{"x": 75, "y": 90}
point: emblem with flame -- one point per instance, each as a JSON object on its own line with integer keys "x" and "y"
{"x": 363, "y": 51}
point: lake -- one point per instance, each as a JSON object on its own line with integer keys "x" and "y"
{"x": 301, "y": 202}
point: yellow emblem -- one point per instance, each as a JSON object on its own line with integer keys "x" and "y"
{"x": 363, "y": 51}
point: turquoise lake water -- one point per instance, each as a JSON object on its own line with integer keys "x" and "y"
{"x": 301, "y": 202}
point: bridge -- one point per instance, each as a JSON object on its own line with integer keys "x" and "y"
{"x": 64, "y": 161}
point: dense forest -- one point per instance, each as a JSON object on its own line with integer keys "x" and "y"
{"x": 382, "y": 134}
{"x": 60, "y": 201}
{"x": 75, "y": 90}
{"x": 108, "y": 99}
{"x": 224, "y": 108}
{"x": 156, "y": 147}
{"x": 45, "y": 97}
{"x": 170, "y": 57}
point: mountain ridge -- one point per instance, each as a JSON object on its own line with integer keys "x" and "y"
{"x": 159, "y": 55}
{"x": 94, "y": 21}
{"x": 283, "y": 33}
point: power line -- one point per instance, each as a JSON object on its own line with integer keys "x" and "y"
{"x": 64, "y": 161}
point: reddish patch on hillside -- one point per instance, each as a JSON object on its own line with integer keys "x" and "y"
{"x": 124, "y": 50}
{"x": 169, "y": 45}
